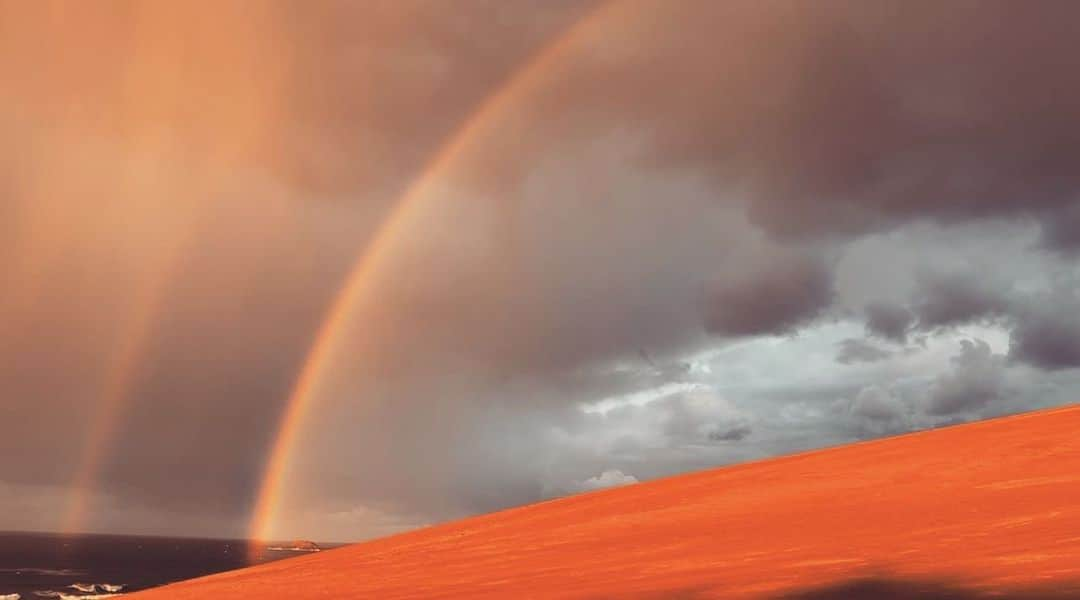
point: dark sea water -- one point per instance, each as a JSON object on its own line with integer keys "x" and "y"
{"x": 42, "y": 565}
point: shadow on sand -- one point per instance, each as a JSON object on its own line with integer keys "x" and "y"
{"x": 879, "y": 588}
{"x": 893, "y": 589}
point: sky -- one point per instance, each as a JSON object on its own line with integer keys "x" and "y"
{"x": 642, "y": 238}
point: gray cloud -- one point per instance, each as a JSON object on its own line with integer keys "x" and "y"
{"x": 888, "y": 321}
{"x": 876, "y": 404}
{"x": 1047, "y": 334}
{"x": 846, "y": 117}
{"x": 877, "y": 410}
{"x": 975, "y": 381}
{"x": 944, "y": 300}
{"x": 1043, "y": 328}
{"x": 732, "y": 434}
{"x": 1061, "y": 231}
{"x": 777, "y": 299}
{"x": 853, "y": 350}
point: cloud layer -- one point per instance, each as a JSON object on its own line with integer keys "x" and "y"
{"x": 712, "y": 232}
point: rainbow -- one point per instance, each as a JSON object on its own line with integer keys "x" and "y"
{"x": 114, "y": 399}
{"x": 144, "y": 92}
{"x": 123, "y": 368}
{"x": 358, "y": 283}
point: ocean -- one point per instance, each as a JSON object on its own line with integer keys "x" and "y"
{"x": 43, "y": 565}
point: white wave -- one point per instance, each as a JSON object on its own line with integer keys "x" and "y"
{"x": 10, "y": 597}
{"x": 63, "y": 596}
{"x": 90, "y": 588}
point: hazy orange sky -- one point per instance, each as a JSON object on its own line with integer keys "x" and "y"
{"x": 645, "y": 238}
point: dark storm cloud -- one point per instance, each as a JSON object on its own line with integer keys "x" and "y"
{"x": 1061, "y": 231}
{"x": 844, "y": 117}
{"x": 853, "y": 350}
{"x": 776, "y": 299}
{"x": 925, "y": 111}
{"x": 1047, "y": 334}
{"x": 888, "y": 321}
{"x": 943, "y": 300}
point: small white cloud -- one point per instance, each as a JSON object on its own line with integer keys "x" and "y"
{"x": 609, "y": 478}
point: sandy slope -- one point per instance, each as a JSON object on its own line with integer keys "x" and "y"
{"x": 991, "y": 504}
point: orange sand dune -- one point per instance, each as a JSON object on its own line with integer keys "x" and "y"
{"x": 993, "y": 505}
